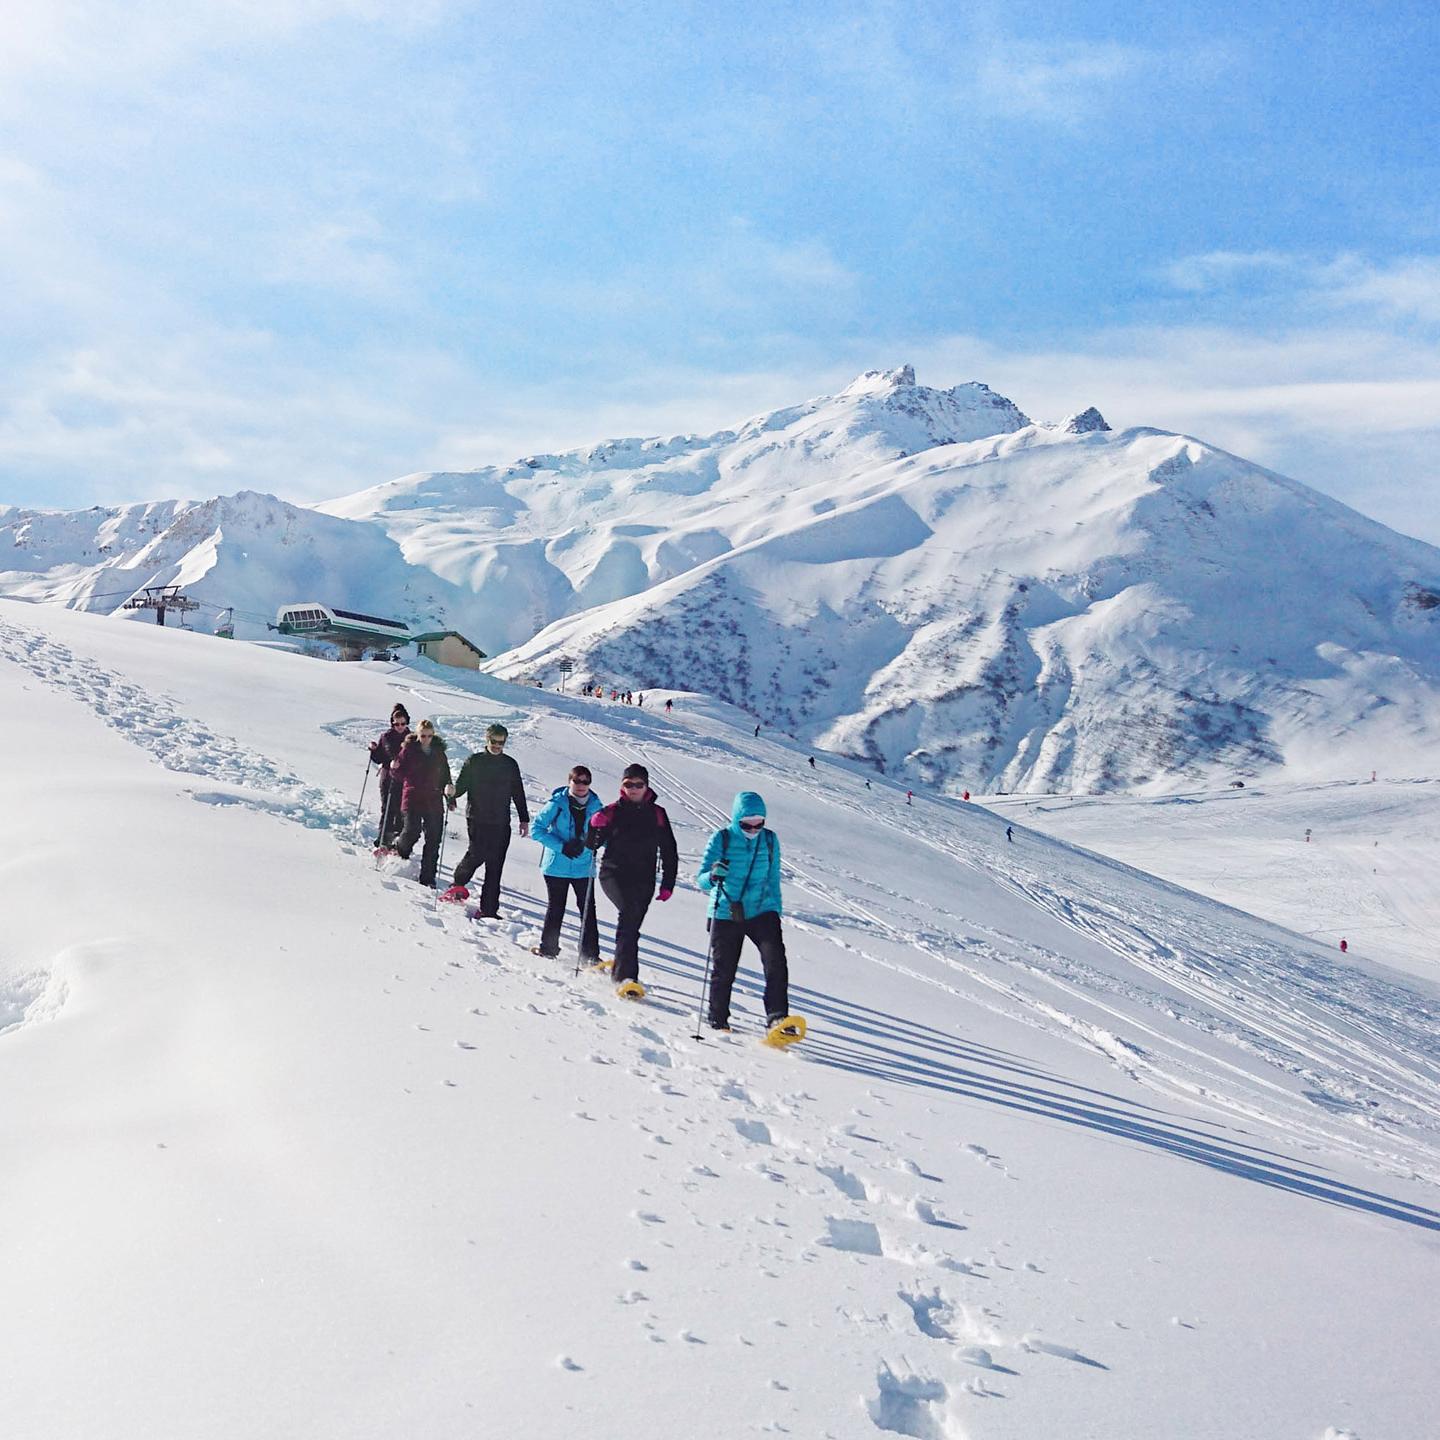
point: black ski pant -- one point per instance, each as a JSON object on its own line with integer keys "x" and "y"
{"x": 392, "y": 821}
{"x": 558, "y": 888}
{"x": 726, "y": 939}
{"x": 432, "y": 822}
{"x": 631, "y": 896}
{"x": 488, "y": 844}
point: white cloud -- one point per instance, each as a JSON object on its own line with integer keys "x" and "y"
{"x": 1406, "y": 288}
{"x": 1054, "y": 82}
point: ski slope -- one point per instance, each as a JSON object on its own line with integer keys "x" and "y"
{"x": 1369, "y": 873}
{"x": 290, "y": 1150}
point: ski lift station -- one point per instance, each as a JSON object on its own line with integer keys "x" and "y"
{"x": 355, "y": 634}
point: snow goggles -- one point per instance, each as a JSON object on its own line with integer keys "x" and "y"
{"x": 753, "y": 823}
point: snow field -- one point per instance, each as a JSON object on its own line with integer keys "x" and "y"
{"x": 300, "y": 1152}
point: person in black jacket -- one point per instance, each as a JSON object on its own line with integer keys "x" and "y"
{"x": 634, "y": 833}
{"x": 384, "y": 752}
{"x": 491, "y": 779}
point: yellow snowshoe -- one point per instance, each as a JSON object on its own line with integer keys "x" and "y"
{"x": 785, "y": 1032}
{"x": 630, "y": 990}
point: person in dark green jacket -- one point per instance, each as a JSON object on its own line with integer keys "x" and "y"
{"x": 491, "y": 779}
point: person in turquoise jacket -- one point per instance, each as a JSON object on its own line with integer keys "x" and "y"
{"x": 567, "y": 864}
{"x": 741, "y": 869}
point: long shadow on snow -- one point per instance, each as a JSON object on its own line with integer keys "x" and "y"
{"x": 868, "y": 1042}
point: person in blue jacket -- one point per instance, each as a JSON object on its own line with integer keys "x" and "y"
{"x": 741, "y": 869}
{"x": 567, "y": 864}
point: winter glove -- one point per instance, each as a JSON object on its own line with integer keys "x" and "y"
{"x": 450, "y": 793}
{"x": 664, "y": 894}
{"x": 719, "y": 870}
{"x": 571, "y": 849}
{"x": 599, "y": 820}
{"x": 376, "y": 757}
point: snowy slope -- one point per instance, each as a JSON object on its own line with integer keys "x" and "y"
{"x": 1368, "y": 874}
{"x": 1070, "y": 1151}
{"x": 1048, "y": 610}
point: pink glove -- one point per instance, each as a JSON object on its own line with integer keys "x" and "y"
{"x": 599, "y": 820}
{"x": 664, "y": 894}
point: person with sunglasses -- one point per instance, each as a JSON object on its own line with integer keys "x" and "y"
{"x": 566, "y": 864}
{"x": 422, "y": 771}
{"x": 492, "y": 780}
{"x": 384, "y": 752}
{"x": 741, "y": 869}
{"x": 635, "y": 835}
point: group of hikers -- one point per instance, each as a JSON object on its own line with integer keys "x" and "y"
{"x": 623, "y": 697}
{"x": 632, "y": 837}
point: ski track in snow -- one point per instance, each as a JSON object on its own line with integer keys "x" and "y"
{"x": 1363, "y": 1051}
{"x": 178, "y": 742}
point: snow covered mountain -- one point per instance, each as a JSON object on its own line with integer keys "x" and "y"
{"x": 249, "y": 552}
{"x": 1060, "y": 608}
{"x": 922, "y": 579}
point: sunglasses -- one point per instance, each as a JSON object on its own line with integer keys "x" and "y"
{"x": 632, "y": 784}
{"x": 752, "y": 824}
{"x": 583, "y": 784}
{"x": 402, "y": 724}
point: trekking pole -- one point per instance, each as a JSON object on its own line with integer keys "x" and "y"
{"x": 360, "y": 805}
{"x": 440, "y": 858}
{"x": 709, "y": 951}
{"x": 384, "y": 824}
{"x": 584, "y": 915}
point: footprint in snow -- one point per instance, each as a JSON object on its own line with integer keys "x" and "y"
{"x": 755, "y": 1131}
{"x": 845, "y": 1181}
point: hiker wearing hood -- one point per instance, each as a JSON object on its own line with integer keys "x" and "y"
{"x": 566, "y": 864}
{"x": 635, "y": 835}
{"x": 741, "y": 869}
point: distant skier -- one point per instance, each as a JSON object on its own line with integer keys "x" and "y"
{"x": 867, "y": 784}
{"x": 1344, "y": 946}
{"x": 491, "y": 779}
{"x": 909, "y": 796}
{"x": 640, "y": 699}
{"x": 1010, "y": 833}
{"x": 966, "y": 795}
{"x": 741, "y": 869}
{"x": 669, "y": 706}
{"x": 383, "y": 753}
{"x": 422, "y": 770}
{"x": 635, "y": 835}
{"x": 757, "y": 732}
{"x": 812, "y": 762}
{"x": 566, "y": 864}
{"x": 1307, "y": 836}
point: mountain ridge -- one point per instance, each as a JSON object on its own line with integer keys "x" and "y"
{"x": 921, "y": 578}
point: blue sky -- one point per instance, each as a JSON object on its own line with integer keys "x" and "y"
{"x": 307, "y": 246}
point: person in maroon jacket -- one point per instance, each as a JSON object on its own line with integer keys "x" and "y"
{"x": 422, "y": 770}
{"x": 634, "y": 834}
{"x": 382, "y": 753}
